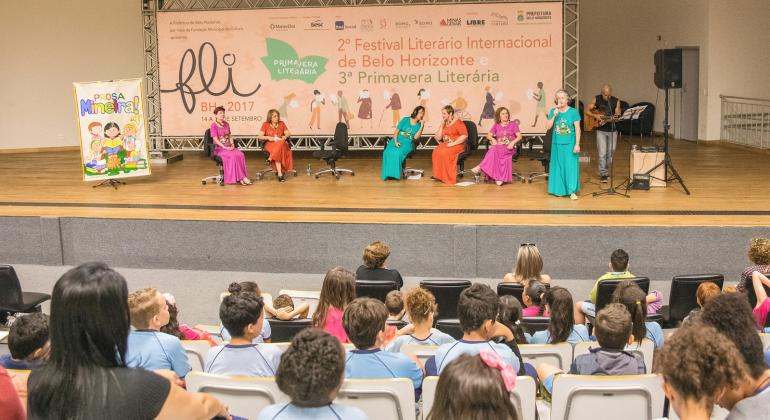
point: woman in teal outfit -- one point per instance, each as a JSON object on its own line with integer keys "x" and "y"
{"x": 407, "y": 132}
{"x": 564, "y": 175}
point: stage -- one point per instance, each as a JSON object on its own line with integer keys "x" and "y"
{"x": 728, "y": 186}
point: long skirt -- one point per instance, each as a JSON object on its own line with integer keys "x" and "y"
{"x": 234, "y": 165}
{"x": 497, "y": 164}
{"x": 393, "y": 158}
{"x": 564, "y": 174}
{"x": 280, "y": 152}
{"x": 445, "y": 162}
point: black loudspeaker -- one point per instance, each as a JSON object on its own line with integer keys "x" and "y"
{"x": 668, "y": 68}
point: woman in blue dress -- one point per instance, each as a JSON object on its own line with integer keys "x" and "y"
{"x": 564, "y": 174}
{"x": 407, "y": 132}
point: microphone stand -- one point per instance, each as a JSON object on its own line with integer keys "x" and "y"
{"x": 611, "y": 189}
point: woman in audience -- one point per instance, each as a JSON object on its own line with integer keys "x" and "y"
{"x": 705, "y": 292}
{"x": 311, "y": 373}
{"x": 532, "y": 298}
{"x": 558, "y": 302}
{"x": 633, "y": 297}
{"x": 375, "y": 255}
{"x": 695, "y": 371}
{"x": 86, "y": 376}
{"x": 421, "y": 306}
{"x": 275, "y": 134}
{"x": 759, "y": 282}
{"x": 529, "y": 265}
{"x": 475, "y": 387}
{"x": 233, "y": 159}
{"x": 759, "y": 255}
{"x": 338, "y": 289}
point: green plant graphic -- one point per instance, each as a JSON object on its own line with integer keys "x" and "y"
{"x": 284, "y": 64}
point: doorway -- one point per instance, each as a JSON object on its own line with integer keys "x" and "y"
{"x": 689, "y": 94}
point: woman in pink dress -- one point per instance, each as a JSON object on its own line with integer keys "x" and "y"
{"x": 503, "y": 136}
{"x": 233, "y": 160}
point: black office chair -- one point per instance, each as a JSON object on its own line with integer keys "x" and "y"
{"x": 471, "y": 145}
{"x": 447, "y": 294}
{"x": 407, "y": 171}
{"x": 208, "y": 150}
{"x": 376, "y": 289}
{"x": 451, "y": 327}
{"x": 396, "y": 323}
{"x": 533, "y": 324}
{"x": 682, "y": 299}
{"x": 284, "y": 331}
{"x": 339, "y": 148}
{"x": 269, "y": 168}
{"x": 515, "y": 158}
{"x": 12, "y": 299}
{"x": 514, "y": 289}
{"x": 543, "y": 155}
{"x": 607, "y": 287}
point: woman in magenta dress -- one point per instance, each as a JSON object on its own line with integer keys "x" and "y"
{"x": 233, "y": 160}
{"x": 503, "y": 136}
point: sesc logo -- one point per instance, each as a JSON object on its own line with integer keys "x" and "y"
{"x": 451, "y": 22}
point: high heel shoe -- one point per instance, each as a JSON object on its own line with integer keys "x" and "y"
{"x": 281, "y": 178}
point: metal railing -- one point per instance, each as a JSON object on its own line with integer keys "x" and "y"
{"x": 746, "y": 121}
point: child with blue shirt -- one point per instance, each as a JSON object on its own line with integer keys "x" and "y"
{"x": 420, "y": 306}
{"x": 242, "y": 315}
{"x": 364, "y": 323}
{"x": 148, "y": 348}
{"x": 477, "y": 311}
{"x": 613, "y": 331}
{"x": 27, "y": 342}
{"x": 311, "y": 373}
{"x": 562, "y": 327}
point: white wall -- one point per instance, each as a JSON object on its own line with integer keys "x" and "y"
{"x": 46, "y": 45}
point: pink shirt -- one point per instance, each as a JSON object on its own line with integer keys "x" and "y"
{"x": 760, "y": 312}
{"x": 532, "y": 311}
{"x": 333, "y": 324}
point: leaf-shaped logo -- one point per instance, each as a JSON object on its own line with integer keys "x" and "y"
{"x": 284, "y": 64}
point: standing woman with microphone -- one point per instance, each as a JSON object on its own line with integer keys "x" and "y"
{"x": 564, "y": 174}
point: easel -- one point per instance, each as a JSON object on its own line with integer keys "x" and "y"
{"x": 114, "y": 183}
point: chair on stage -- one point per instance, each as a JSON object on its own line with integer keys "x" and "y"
{"x": 208, "y": 150}
{"x": 376, "y": 289}
{"x": 269, "y": 168}
{"x": 543, "y": 156}
{"x": 471, "y": 145}
{"x": 12, "y": 299}
{"x": 682, "y": 297}
{"x": 339, "y": 148}
{"x": 515, "y": 158}
{"x": 447, "y": 294}
{"x": 406, "y": 171}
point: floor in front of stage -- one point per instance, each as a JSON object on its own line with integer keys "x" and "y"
{"x": 729, "y": 187}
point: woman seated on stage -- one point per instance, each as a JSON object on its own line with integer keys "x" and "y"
{"x": 407, "y": 132}
{"x": 451, "y": 136}
{"x": 275, "y": 133}
{"x": 503, "y": 136}
{"x": 233, "y": 160}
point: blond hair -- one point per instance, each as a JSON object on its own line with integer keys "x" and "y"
{"x": 529, "y": 264}
{"x": 420, "y": 303}
{"x": 375, "y": 255}
{"x": 143, "y": 305}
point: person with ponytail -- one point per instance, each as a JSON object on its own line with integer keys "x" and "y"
{"x": 558, "y": 302}
{"x": 253, "y": 288}
{"x": 532, "y": 298}
{"x": 633, "y": 298}
{"x": 509, "y": 314}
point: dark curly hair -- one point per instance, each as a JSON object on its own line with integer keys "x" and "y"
{"x": 699, "y": 368}
{"x": 239, "y": 309}
{"x": 173, "y": 322}
{"x": 731, "y": 315}
{"x": 312, "y": 368}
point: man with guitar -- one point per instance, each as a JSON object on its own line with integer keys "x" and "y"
{"x": 601, "y": 107}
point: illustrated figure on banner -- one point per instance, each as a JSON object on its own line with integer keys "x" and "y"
{"x": 488, "y": 112}
{"x": 113, "y": 143}
{"x": 460, "y": 105}
{"x": 365, "y": 107}
{"x": 538, "y": 96}
{"x": 343, "y": 108}
{"x": 315, "y": 108}
{"x": 289, "y": 101}
{"x": 394, "y": 105}
{"x": 423, "y": 96}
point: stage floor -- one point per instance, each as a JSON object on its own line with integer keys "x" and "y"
{"x": 729, "y": 187}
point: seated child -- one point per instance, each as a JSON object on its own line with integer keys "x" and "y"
{"x": 242, "y": 316}
{"x": 632, "y": 296}
{"x": 420, "y": 305}
{"x": 475, "y": 387}
{"x": 182, "y": 331}
{"x": 532, "y": 298}
{"x": 562, "y": 328}
{"x": 705, "y": 292}
{"x": 695, "y": 371}
{"x": 27, "y": 342}
{"x": 364, "y": 322}
{"x": 337, "y": 291}
{"x": 619, "y": 266}
{"x": 477, "y": 310}
{"x": 247, "y": 287}
{"x": 613, "y": 332}
{"x": 310, "y": 373}
{"x": 283, "y": 308}
{"x": 759, "y": 281}
{"x": 394, "y": 302}
{"x": 149, "y": 348}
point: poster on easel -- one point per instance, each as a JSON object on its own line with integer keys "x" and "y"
{"x": 112, "y": 129}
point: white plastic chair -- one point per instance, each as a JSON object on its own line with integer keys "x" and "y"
{"x": 303, "y": 296}
{"x": 380, "y": 399}
{"x": 196, "y": 353}
{"x": 765, "y": 341}
{"x": 646, "y": 350}
{"x": 244, "y": 396}
{"x": 559, "y": 355}
{"x": 523, "y": 397}
{"x": 422, "y": 352}
{"x": 630, "y": 397}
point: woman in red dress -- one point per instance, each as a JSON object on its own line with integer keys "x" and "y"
{"x": 275, "y": 133}
{"x": 451, "y": 136}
